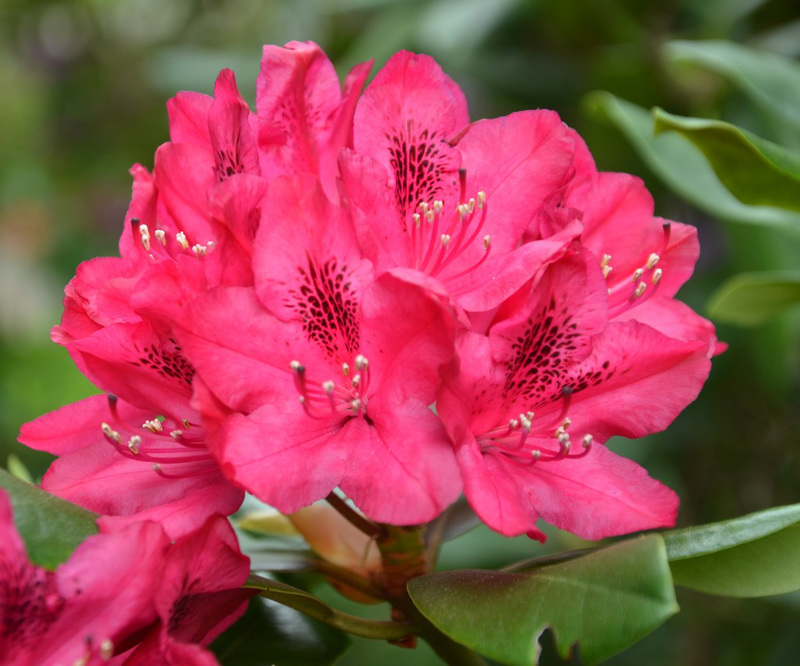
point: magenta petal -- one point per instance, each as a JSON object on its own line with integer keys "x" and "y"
{"x": 402, "y": 470}
{"x": 404, "y": 120}
{"x": 188, "y": 118}
{"x": 282, "y": 456}
{"x": 596, "y": 496}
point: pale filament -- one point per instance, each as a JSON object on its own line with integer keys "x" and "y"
{"x": 640, "y": 285}
{"x": 439, "y": 238}
{"x": 344, "y": 396}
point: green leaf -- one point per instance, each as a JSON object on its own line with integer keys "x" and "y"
{"x": 683, "y": 167}
{"x": 752, "y": 556}
{"x": 269, "y": 633}
{"x": 755, "y": 170}
{"x": 604, "y": 601}
{"x": 50, "y": 527}
{"x": 750, "y": 299}
{"x": 770, "y": 80}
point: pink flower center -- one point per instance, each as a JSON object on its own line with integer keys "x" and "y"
{"x": 160, "y": 441}
{"x": 346, "y": 396}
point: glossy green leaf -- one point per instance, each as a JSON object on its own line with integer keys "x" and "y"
{"x": 750, "y": 299}
{"x": 770, "y": 80}
{"x": 752, "y": 556}
{"x": 269, "y": 633}
{"x": 683, "y": 167}
{"x": 50, "y": 527}
{"x": 604, "y": 601}
{"x": 755, "y": 170}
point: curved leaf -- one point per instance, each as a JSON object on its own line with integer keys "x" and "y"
{"x": 682, "y": 167}
{"x": 768, "y": 79}
{"x": 755, "y": 170}
{"x": 752, "y": 556}
{"x": 269, "y": 633}
{"x": 50, "y": 527}
{"x": 502, "y": 615}
{"x": 750, "y": 299}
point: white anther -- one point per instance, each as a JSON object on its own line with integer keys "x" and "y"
{"x": 481, "y": 199}
{"x": 345, "y": 369}
{"x": 567, "y": 423}
{"x": 296, "y": 366}
{"x": 423, "y": 207}
{"x": 529, "y": 415}
{"x": 462, "y": 210}
{"x": 471, "y": 206}
{"x": 587, "y": 441}
{"x": 606, "y": 270}
{"x": 637, "y": 275}
{"x": 106, "y": 649}
{"x": 186, "y": 423}
{"x": 133, "y": 444}
{"x": 536, "y": 454}
{"x": 445, "y": 239}
{"x": 176, "y": 434}
{"x": 525, "y": 423}
{"x": 417, "y": 220}
{"x": 639, "y": 289}
{"x": 153, "y": 426}
{"x": 429, "y": 216}
{"x": 108, "y": 431}
{"x": 355, "y": 404}
{"x": 210, "y": 245}
{"x": 606, "y": 258}
{"x": 144, "y": 232}
{"x": 361, "y": 362}
{"x": 657, "y": 275}
{"x": 182, "y": 240}
{"x": 328, "y": 387}
{"x": 513, "y": 424}
{"x": 487, "y": 242}
{"x": 161, "y": 235}
{"x": 652, "y": 260}
{"x": 200, "y": 250}
{"x": 356, "y": 381}
{"x": 563, "y": 439}
{"x": 438, "y": 207}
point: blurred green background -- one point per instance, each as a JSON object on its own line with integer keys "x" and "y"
{"x": 83, "y": 90}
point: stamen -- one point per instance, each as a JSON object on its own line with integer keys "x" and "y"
{"x": 657, "y": 275}
{"x": 153, "y": 426}
{"x": 606, "y": 271}
{"x": 176, "y": 434}
{"x": 161, "y": 235}
{"x": 109, "y": 432}
{"x": 637, "y": 275}
{"x": 652, "y": 260}
{"x": 345, "y": 369}
{"x": 639, "y": 290}
{"x": 144, "y": 232}
{"x": 133, "y": 444}
{"x": 182, "y": 241}
{"x": 604, "y": 261}
{"x": 200, "y": 250}
{"x": 106, "y": 649}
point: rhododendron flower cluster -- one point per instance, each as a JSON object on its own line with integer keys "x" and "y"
{"x": 367, "y": 291}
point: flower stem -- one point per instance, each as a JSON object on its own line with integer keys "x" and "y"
{"x": 304, "y": 602}
{"x": 354, "y": 517}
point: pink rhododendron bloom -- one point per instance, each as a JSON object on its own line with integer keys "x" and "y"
{"x": 89, "y": 606}
{"x": 450, "y": 199}
{"x": 529, "y": 405}
{"x": 200, "y": 596}
{"x": 120, "y": 460}
{"x": 322, "y": 376}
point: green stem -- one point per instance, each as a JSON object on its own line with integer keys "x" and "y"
{"x": 349, "y": 578}
{"x": 448, "y": 650}
{"x": 308, "y": 604}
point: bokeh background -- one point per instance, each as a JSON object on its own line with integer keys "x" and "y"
{"x": 83, "y": 90}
